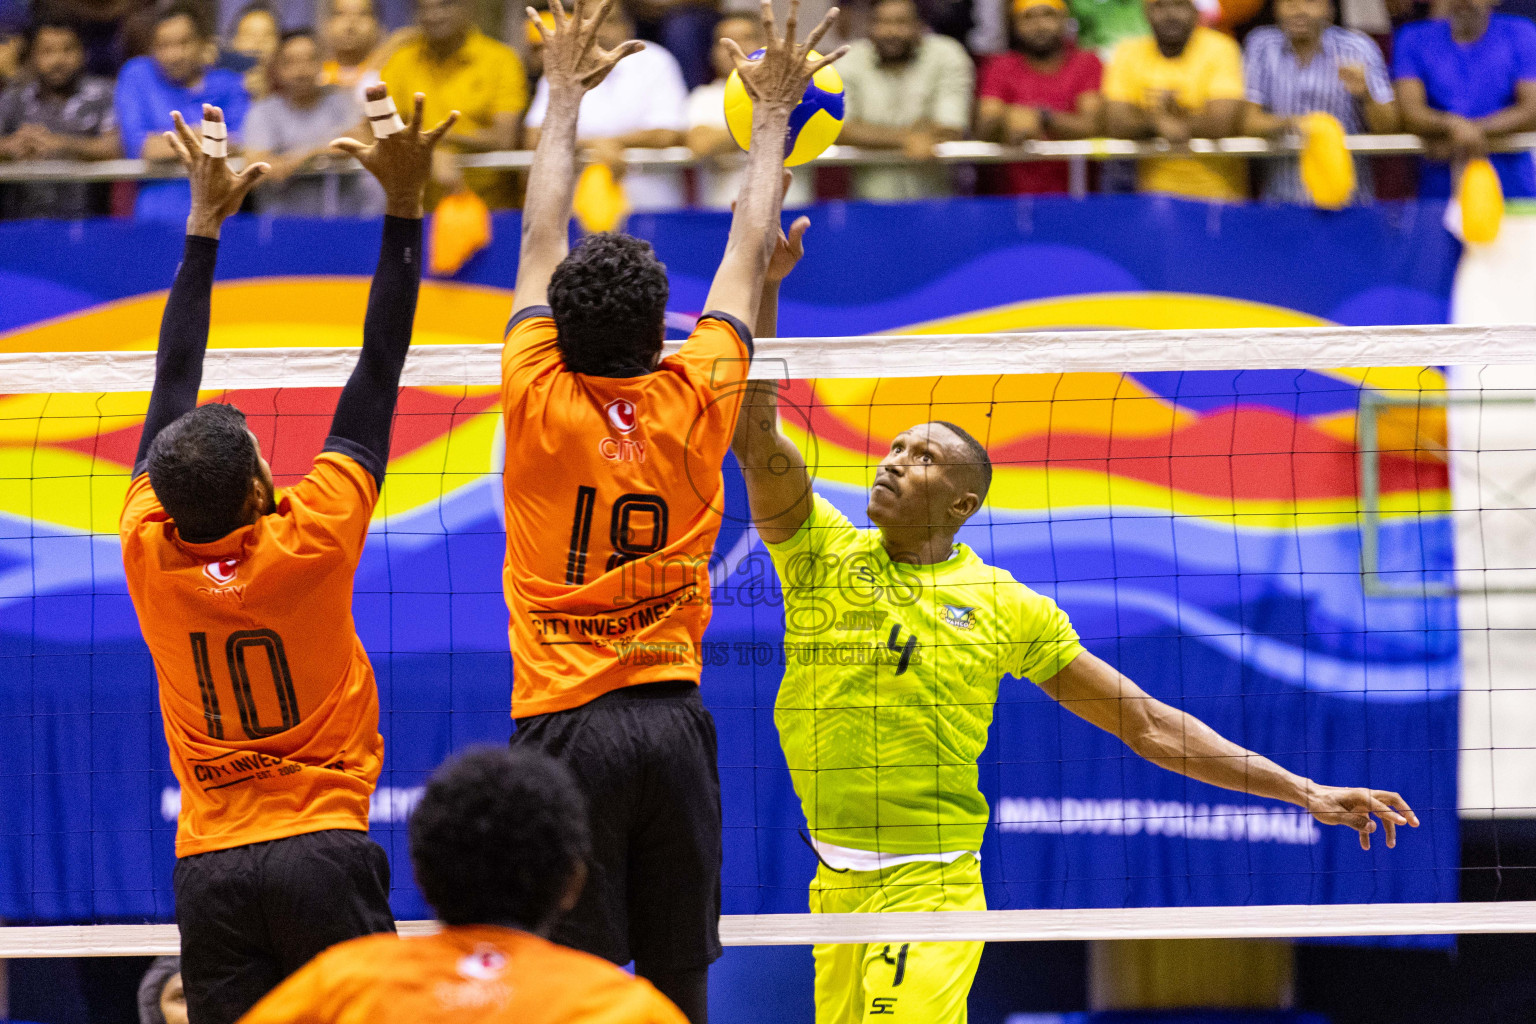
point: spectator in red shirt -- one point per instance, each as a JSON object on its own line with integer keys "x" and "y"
{"x": 1043, "y": 87}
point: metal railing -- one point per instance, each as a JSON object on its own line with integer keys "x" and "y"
{"x": 837, "y": 156}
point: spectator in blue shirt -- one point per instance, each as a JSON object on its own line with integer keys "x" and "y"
{"x": 1462, "y": 81}
{"x": 174, "y": 77}
{"x": 1305, "y": 63}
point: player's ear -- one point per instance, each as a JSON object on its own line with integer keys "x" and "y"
{"x": 964, "y": 506}
{"x": 573, "y": 887}
{"x": 258, "y": 500}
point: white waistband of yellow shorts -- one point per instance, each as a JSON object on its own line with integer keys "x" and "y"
{"x": 844, "y": 859}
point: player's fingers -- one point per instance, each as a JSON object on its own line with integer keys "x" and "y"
{"x": 830, "y": 58}
{"x": 1385, "y": 812}
{"x": 1391, "y": 833}
{"x": 537, "y": 23}
{"x": 349, "y": 146}
{"x": 735, "y": 53}
{"x": 797, "y": 232}
{"x": 558, "y": 10}
{"x": 212, "y": 113}
{"x": 248, "y": 178}
{"x": 418, "y": 104}
{"x": 1396, "y": 802}
{"x": 822, "y": 29}
{"x": 792, "y": 23}
{"x": 624, "y": 50}
{"x": 442, "y": 129}
{"x": 602, "y": 12}
{"x": 183, "y": 133}
{"x": 770, "y": 29}
{"x": 182, "y": 152}
{"x": 1365, "y": 840}
{"x": 377, "y": 91}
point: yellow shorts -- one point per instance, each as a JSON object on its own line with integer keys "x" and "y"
{"x": 920, "y": 982}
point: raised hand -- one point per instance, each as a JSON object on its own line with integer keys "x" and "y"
{"x": 573, "y": 61}
{"x": 403, "y": 161}
{"x": 1339, "y": 805}
{"x": 777, "y": 80}
{"x": 217, "y": 191}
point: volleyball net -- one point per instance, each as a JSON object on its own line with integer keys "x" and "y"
{"x": 1317, "y": 540}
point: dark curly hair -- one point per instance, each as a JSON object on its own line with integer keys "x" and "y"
{"x": 201, "y": 467}
{"x": 497, "y": 837}
{"x": 609, "y": 299}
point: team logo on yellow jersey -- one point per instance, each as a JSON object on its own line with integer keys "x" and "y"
{"x": 959, "y": 616}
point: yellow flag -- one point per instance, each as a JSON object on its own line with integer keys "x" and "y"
{"x": 1327, "y": 169}
{"x": 600, "y": 202}
{"x": 461, "y": 227}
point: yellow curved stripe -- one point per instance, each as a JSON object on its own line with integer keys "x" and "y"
{"x": 273, "y": 312}
{"x": 1119, "y": 311}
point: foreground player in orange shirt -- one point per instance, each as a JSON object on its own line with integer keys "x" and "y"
{"x": 244, "y": 597}
{"x": 500, "y": 844}
{"x": 613, "y": 500}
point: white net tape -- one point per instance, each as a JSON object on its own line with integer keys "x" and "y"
{"x": 1274, "y": 922}
{"x": 916, "y": 355}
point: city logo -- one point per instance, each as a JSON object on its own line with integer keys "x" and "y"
{"x": 959, "y": 616}
{"x": 484, "y": 964}
{"x": 221, "y": 572}
{"x": 621, "y": 413}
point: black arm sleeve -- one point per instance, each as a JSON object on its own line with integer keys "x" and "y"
{"x": 183, "y": 340}
{"x": 366, "y": 409}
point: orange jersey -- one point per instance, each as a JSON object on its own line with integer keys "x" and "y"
{"x": 467, "y": 975}
{"x": 269, "y": 702}
{"x": 614, "y": 496}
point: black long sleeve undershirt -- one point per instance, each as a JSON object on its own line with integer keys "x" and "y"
{"x": 366, "y": 409}
{"x": 183, "y": 341}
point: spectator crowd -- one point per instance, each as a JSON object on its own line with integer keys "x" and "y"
{"x": 84, "y": 80}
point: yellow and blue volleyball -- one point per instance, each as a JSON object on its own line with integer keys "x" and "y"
{"x": 813, "y": 125}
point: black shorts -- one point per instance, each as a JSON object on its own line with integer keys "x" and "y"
{"x": 252, "y": 915}
{"x": 646, "y": 757}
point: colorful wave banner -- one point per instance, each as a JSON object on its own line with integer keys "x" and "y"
{"x": 1200, "y": 528}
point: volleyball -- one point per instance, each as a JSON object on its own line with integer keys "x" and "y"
{"x": 814, "y": 124}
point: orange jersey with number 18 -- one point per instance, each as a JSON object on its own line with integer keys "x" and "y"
{"x": 613, "y": 498}
{"x": 268, "y": 698}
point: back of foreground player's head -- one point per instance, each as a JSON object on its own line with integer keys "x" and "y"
{"x": 609, "y": 300}
{"x": 202, "y": 468}
{"x": 500, "y": 837}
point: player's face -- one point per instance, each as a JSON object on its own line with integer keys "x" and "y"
{"x": 895, "y": 30}
{"x": 178, "y": 49}
{"x": 351, "y": 30}
{"x": 58, "y": 57}
{"x": 916, "y": 484}
{"x": 744, "y": 32}
{"x": 298, "y": 69}
{"x": 173, "y": 1001}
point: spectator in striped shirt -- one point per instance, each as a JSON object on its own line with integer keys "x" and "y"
{"x": 1305, "y": 63}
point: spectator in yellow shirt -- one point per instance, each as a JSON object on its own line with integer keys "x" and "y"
{"x": 460, "y": 68}
{"x": 1184, "y": 81}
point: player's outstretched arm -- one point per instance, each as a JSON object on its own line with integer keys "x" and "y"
{"x": 776, "y": 83}
{"x": 574, "y": 64}
{"x": 401, "y": 159}
{"x": 778, "y": 485}
{"x": 217, "y": 192}
{"x": 1094, "y": 691}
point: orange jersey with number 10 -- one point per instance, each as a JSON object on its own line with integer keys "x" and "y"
{"x": 613, "y": 497}
{"x": 268, "y": 698}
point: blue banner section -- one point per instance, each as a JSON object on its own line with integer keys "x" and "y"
{"x": 1200, "y": 529}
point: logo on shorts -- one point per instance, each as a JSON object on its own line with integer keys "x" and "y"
{"x": 959, "y": 616}
{"x": 221, "y": 572}
{"x": 485, "y": 963}
{"x": 621, "y": 413}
